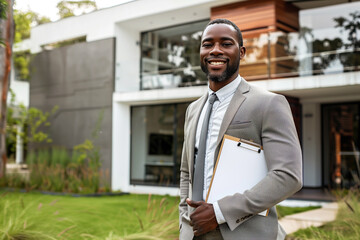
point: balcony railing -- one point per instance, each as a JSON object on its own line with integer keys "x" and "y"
{"x": 270, "y": 56}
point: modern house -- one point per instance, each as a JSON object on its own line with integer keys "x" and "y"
{"x": 136, "y": 67}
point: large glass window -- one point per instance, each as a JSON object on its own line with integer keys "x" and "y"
{"x": 341, "y": 137}
{"x": 156, "y": 144}
{"x": 328, "y": 42}
{"x": 170, "y": 57}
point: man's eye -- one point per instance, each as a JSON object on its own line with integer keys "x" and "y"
{"x": 207, "y": 45}
{"x": 227, "y": 44}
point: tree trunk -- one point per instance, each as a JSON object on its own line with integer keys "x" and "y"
{"x": 7, "y": 35}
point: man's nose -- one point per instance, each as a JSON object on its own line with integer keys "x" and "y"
{"x": 216, "y": 50}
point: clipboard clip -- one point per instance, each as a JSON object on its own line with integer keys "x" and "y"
{"x": 244, "y": 146}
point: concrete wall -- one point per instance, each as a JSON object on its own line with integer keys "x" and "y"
{"x": 80, "y": 80}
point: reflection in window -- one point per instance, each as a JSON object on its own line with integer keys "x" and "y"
{"x": 170, "y": 57}
{"x": 156, "y": 144}
{"x": 327, "y": 42}
{"x": 341, "y": 144}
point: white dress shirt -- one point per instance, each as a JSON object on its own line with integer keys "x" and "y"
{"x": 224, "y": 96}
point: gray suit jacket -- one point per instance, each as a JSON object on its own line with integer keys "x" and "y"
{"x": 265, "y": 118}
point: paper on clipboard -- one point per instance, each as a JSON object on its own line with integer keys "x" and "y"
{"x": 238, "y": 168}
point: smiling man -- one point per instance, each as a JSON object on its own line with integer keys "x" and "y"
{"x": 234, "y": 107}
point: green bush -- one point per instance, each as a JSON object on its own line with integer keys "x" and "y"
{"x": 58, "y": 170}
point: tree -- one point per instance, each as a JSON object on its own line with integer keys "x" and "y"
{"x": 24, "y": 20}
{"x": 7, "y": 34}
{"x": 32, "y": 121}
{"x": 69, "y": 8}
{"x": 351, "y": 25}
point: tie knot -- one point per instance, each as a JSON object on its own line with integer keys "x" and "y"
{"x": 212, "y": 98}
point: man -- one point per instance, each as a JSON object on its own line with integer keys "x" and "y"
{"x": 242, "y": 110}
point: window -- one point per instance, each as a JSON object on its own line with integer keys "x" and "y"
{"x": 156, "y": 144}
{"x": 341, "y": 140}
{"x": 170, "y": 57}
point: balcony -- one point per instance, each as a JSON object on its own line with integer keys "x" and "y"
{"x": 271, "y": 56}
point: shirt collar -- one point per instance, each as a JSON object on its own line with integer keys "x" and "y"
{"x": 227, "y": 90}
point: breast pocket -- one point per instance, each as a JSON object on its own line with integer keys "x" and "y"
{"x": 240, "y": 125}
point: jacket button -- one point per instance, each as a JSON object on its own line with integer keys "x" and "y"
{"x": 238, "y": 220}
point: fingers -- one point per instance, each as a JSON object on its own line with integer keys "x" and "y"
{"x": 194, "y": 204}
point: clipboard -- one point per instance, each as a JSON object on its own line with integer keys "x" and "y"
{"x": 240, "y": 166}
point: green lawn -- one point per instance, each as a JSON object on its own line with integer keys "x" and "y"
{"x": 283, "y": 211}
{"x": 345, "y": 227}
{"x": 65, "y": 217}
{"x": 39, "y": 216}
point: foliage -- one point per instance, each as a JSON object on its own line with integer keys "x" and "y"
{"x": 17, "y": 223}
{"x": 326, "y": 50}
{"x": 64, "y": 43}
{"x": 21, "y": 63}
{"x": 68, "y": 8}
{"x": 24, "y": 20}
{"x": 3, "y": 9}
{"x": 283, "y": 211}
{"x": 58, "y": 171}
{"x": 346, "y": 226}
{"x": 116, "y": 217}
{"x": 32, "y": 119}
{"x": 351, "y": 25}
{"x": 159, "y": 223}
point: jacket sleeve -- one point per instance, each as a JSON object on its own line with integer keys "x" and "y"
{"x": 184, "y": 178}
{"x": 284, "y": 160}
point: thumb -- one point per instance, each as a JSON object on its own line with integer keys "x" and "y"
{"x": 194, "y": 204}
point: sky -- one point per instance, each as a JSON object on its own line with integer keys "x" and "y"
{"x": 48, "y": 7}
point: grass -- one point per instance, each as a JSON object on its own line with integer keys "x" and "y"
{"x": 65, "y": 217}
{"x": 282, "y": 211}
{"x": 345, "y": 227}
{"x": 128, "y": 217}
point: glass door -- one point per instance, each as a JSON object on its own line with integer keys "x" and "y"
{"x": 341, "y": 145}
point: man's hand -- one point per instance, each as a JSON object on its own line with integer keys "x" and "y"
{"x": 203, "y": 219}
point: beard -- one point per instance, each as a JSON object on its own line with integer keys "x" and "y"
{"x": 229, "y": 71}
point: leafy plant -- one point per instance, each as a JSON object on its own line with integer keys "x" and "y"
{"x": 16, "y": 223}
{"x": 34, "y": 120}
{"x": 345, "y": 226}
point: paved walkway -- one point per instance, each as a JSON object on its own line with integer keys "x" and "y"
{"x": 316, "y": 218}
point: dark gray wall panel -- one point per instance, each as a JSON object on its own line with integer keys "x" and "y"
{"x": 80, "y": 80}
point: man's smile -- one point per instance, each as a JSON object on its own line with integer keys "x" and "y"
{"x": 216, "y": 62}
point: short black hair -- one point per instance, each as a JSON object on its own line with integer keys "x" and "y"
{"x": 228, "y": 22}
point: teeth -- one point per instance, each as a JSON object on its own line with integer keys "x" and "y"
{"x": 217, "y": 63}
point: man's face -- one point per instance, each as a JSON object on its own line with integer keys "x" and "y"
{"x": 220, "y": 52}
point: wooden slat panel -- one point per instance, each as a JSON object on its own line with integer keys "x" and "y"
{"x": 260, "y": 14}
{"x": 287, "y": 13}
{"x": 248, "y": 15}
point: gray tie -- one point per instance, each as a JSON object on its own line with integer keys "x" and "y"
{"x": 200, "y": 159}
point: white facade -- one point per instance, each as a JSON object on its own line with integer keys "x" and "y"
{"x": 126, "y": 22}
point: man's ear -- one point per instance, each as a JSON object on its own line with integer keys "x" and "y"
{"x": 242, "y": 52}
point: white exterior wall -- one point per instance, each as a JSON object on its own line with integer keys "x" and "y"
{"x": 127, "y": 69}
{"x": 311, "y": 144}
{"x": 101, "y": 24}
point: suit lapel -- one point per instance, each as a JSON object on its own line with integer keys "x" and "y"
{"x": 233, "y": 107}
{"x": 196, "y": 111}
